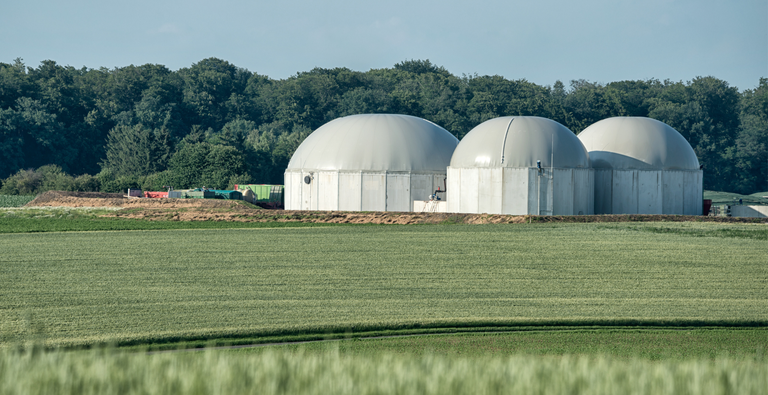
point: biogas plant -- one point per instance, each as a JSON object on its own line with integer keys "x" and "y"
{"x": 509, "y": 165}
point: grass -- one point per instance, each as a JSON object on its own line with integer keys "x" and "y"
{"x": 332, "y": 372}
{"x": 14, "y": 200}
{"x": 67, "y": 219}
{"x": 757, "y": 233}
{"x": 165, "y": 286}
{"x": 719, "y": 198}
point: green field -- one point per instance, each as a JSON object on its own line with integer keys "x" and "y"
{"x": 651, "y": 344}
{"x": 67, "y": 219}
{"x": 733, "y": 198}
{"x": 81, "y": 288}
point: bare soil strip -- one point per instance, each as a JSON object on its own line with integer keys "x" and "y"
{"x": 164, "y": 209}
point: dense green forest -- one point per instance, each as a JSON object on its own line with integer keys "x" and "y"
{"x": 216, "y": 124}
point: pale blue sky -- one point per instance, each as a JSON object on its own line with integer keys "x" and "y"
{"x": 541, "y": 41}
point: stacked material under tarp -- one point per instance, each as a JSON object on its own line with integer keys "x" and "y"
{"x": 200, "y": 194}
{"x": 155, "y": 195}
{"x": 520, "y": 165}
{"x": 643, "y": 166}
{"x": 226, "y": 194}
{"x": 180, "y": 193}
{"x": 368, "y": 162}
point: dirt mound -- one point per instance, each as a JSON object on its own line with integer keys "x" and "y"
{"x": 76, "y": 199}
{"x": 163, "y": 203}
{"x": 245, "y": 214}
{"x": 98, "y": 199}
{"x": 234, "y": 210}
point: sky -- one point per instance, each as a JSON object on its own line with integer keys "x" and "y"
{"x": 541, "y": 41}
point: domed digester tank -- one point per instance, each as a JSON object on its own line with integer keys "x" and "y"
{"x": 520, "y": 165}
{"x": 368, "y": 162}
{"x": 643, "y": 166}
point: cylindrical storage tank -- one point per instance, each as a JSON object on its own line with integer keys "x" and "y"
{"x": 643, "y": 166}
{"x": 520, "y": 165}
{"x": 368, "y": 162}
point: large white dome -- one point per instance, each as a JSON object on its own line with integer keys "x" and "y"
{"x": 376, "y": 142}
{"x": 521, "y": 141}
{"x": 637, "y": 143}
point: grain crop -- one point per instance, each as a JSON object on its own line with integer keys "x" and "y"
{"x": 280, "y": 372}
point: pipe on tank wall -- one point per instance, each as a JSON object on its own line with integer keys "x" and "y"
{"x": 445, "y": 186}
{"x": 504, "y": 142}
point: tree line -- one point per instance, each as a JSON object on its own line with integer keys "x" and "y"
{"x": 216, "y": 124}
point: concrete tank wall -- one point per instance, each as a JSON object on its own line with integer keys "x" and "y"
{"x": 749, "y": 211}
{"x": 359, "y": 190}
{"x": 292, "y": 190}
{"x": 635, "y": 191}
{"x": 693, "y": 192}
{"x": 353, "y": 198}
{"x": 430, "y": 206}
{"x": 520, "y": 191}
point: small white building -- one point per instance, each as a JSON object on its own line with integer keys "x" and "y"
{"x": 368, "y": 162}
{"x": 520, "y": 165}
{"x": 643, "y": 166}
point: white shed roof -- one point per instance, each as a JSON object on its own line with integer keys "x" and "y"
{"x": 377, "y": 142}
{"x": 637, "y": 143}
{"x": 521, "y": 141}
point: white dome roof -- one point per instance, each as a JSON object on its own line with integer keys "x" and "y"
{"x": 637, "y": 143}
{"x": 529, "y": 139}
{"x": 376, "y": 142}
